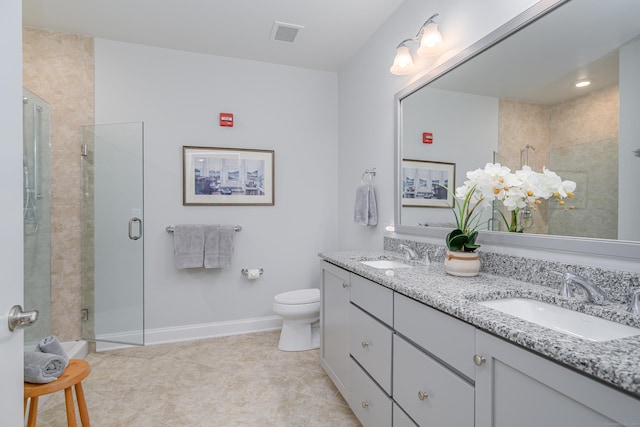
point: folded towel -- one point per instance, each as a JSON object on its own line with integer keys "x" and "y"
{"x": 188, "y": 243}
{"x": 52, "y": 345}
{"x": 366, "y": 211}
{"x": 218, "y": 245}
{"x": 40, "y": 368}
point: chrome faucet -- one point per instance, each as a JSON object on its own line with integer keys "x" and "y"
{"x": 594, "y": 293}
{"x": 411, "y": 254}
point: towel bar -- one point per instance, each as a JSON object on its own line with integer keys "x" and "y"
{"x": 370, "y": 173}
{"x": 170, "y": 228}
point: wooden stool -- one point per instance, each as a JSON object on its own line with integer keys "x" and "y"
{"x": 74, "y": 373}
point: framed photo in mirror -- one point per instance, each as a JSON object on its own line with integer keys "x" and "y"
{"x": 227, "y": 176}
{"x": 423, "y": 183}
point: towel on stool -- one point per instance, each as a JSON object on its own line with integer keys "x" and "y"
{"x": 52, "y": 345}
{"x": 218, "y": 245}
{"x": 41, "y": 368}
{"x": 366, "y": 211}
{"x": 188, "y": 242}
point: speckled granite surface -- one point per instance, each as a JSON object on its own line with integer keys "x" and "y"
{"x": 616, "y": 362}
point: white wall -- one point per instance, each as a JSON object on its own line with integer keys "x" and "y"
{"x": 179, "y": 95}
{"x": 465, "y": 132}
{"x": 366, "y": 98}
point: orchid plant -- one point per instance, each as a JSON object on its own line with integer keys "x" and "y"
{"x": 520, "y": 190}
{"x": 463, "y": 238}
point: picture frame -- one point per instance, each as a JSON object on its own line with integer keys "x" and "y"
{"x": 422, "y": 180}
{"x": 215, "y": 176}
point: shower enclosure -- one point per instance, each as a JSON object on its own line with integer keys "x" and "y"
{"x": 37, "y": 213}
{"x": 112, "y": 234}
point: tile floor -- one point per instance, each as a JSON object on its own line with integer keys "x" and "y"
{"x": 242, "y": 380}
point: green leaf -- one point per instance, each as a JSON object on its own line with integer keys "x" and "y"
{"x": 457, "y": 243}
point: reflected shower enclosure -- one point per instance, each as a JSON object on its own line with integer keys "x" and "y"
{"x": 37, "y": 213}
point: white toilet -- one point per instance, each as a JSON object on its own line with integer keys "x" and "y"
{"x": 300, "y": 311}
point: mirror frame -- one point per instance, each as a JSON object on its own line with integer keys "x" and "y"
{"x": 626, "y": 250}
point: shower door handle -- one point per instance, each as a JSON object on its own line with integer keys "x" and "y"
{"x": 19, "y": 319}
{"x": 135, "y": 236}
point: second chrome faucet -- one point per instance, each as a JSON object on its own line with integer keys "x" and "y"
{"x": 593, "y": 292}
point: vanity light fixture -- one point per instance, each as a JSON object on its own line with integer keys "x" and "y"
{"x": 429, "y": 37}
{"x": 583, "y": 83}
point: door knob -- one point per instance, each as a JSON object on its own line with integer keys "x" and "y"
{"x": 478, "y": 360}
{"x": 19, "y": 319}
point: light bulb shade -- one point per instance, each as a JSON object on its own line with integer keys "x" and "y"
{"x": 430, "y": 41}
{"x": 403, "y": 62}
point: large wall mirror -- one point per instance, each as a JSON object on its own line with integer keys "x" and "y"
{"x": 512, "y": 99}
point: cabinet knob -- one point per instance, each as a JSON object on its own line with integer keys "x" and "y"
{"x": 478, "y": 360}
{"x": 365, "y": 404}
{"x": 422, "y": 395}
{"x": 365, "y": 344}
{"x": 345, "y": 285}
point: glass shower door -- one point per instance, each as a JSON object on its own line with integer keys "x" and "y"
{"x": 36, "y": 164}
{"x": 112, "y": 233}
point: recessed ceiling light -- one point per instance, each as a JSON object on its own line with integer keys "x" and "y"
{"x": 583, "y": 83}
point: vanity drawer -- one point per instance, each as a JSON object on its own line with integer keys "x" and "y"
{"x": 373, "y": 298}
{"x": 367, "y": 401}
{"x": 400, "y": 419}
{"x": 370, "y": 344}
{"x": 430, "y": 393}
{"x": 447, "y": 338}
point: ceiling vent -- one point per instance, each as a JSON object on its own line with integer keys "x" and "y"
{"x": 282, "y": 32}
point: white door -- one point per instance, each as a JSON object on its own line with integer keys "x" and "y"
{"x": 11, "y": 252}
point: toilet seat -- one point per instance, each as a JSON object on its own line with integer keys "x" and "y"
{"x": 300, "y": 296}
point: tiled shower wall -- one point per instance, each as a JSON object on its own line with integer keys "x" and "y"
{"x": 583, "y": 133}
{"x": 59, "y": 68}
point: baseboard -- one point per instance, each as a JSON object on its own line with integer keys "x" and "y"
{"x": 196, "y": 332}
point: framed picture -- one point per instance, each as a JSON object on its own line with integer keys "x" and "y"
{"x": 422, "y": 183}
{"x": 227, "y": 176}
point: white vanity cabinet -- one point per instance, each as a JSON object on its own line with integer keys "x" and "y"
{"x": 370, "y": 348}
{"x": 448, "y": 339}
{"x": 334, "y": 319}
{"x": 399, "y": 362}
{"x": 432, "y": 365}
{"x": 515, "y": 387}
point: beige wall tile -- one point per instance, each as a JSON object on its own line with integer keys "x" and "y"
{"x": 59, "y": 67}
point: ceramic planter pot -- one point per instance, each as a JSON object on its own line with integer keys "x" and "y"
{"x": 464, "y": 264}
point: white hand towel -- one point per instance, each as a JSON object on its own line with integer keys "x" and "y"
{"x": 188, "y": 242}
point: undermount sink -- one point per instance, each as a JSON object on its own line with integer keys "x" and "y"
{"x": 562, "y": 320}
{"x": 385, "y": 264}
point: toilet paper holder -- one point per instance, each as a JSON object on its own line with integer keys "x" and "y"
{"x": 245, "y": 271}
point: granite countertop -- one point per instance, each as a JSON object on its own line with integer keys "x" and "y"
{"x": 616, "y": 362}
